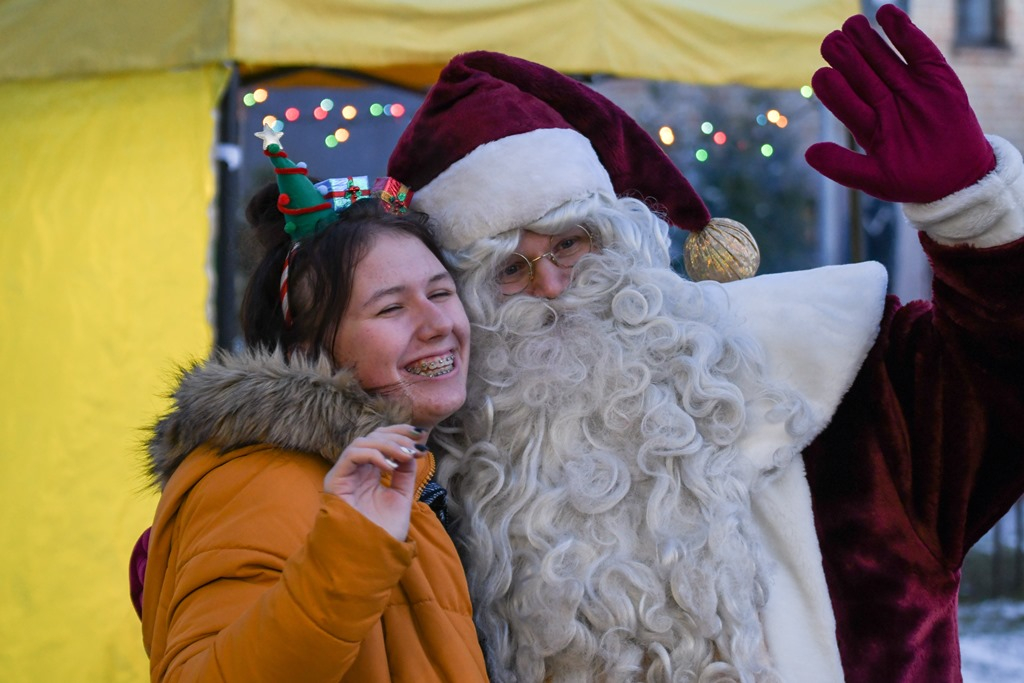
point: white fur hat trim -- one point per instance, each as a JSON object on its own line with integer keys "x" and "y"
{"x": 540, "y": 170}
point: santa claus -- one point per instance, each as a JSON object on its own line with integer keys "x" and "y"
{"x": 774, "y": 479}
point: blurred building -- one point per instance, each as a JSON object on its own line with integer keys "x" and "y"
{"x": 982, "y": 40}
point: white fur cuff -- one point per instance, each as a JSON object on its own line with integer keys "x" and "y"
{"x": 986, "y": 214}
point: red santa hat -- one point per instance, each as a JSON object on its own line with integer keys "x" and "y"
{"x": 500, "y": 141}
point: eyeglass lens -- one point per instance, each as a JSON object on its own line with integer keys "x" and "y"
{"x": 564, "y": 250}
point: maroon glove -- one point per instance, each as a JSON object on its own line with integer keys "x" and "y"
{"x": 921, "y": 139}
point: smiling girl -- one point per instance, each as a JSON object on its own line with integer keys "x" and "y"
{"x": 299, "y": 534}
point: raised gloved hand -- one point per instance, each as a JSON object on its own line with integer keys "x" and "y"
{"x": 920, "y": 136}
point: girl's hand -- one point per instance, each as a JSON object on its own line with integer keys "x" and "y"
{"x": 355, "y": 478}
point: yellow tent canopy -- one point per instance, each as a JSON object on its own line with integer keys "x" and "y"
{"x": 109, "y": 212}
{"x": 760, "y": 44}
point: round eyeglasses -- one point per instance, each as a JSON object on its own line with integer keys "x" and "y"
{"x": 564, "y": 250}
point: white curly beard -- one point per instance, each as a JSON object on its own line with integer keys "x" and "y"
{"x": 605, "y": 514}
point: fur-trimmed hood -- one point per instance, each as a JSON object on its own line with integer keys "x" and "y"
{"x": 238, "y": 399}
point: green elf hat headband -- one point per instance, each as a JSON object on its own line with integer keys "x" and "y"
{"x": 308, "y": 209}
{"x": 301, "y": 203}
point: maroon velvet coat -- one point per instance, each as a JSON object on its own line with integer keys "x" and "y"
{"x": 922, "y": 457}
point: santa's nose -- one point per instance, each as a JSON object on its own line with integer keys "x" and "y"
{"x": 549, "y": 280}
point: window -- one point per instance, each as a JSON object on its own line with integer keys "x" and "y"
{"x": 869, "y": 7}
{"x": 980, "y": 23}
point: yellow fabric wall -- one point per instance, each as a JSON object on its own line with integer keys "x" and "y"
{"x": 85, "y": 38}
{"x": 769, "y": 44}
{"x": 105, "y": 230}
{"x": 761, "y": 43}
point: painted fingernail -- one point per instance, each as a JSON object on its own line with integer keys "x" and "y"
{"x": 407, "y": 450}
{"x": 418, "y": 430}
{"x": 421, "y": 448}
{"x": 391, "y": 463}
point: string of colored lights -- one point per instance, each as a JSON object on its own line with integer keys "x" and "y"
{"x": 396, "y": 110}
{"x": 719, "y": 137}
{"x": 322, "y": 112}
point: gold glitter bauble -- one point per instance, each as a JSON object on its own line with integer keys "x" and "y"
{"x": 723, "y": 251}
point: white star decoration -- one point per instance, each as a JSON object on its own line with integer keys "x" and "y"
{"x": 269, "y": 136}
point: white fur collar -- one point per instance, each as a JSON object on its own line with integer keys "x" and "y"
{"x": 816, "y": 327}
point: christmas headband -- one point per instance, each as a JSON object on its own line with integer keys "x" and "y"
{"x": 305, "y": 205}
{"x": 308, "y": 208}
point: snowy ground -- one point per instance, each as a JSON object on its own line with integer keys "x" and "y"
{"x": 992, "y": 642}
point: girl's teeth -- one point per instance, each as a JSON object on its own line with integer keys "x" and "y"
{"x": 433, "y": 368}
